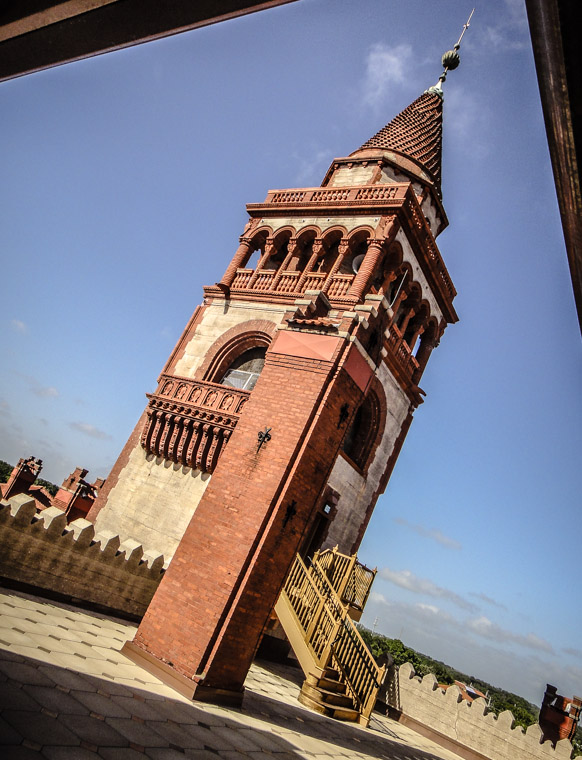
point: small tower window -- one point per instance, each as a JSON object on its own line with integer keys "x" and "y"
{"x": 244, "y": 372}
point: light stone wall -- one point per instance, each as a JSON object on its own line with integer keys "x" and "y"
{"x": 218, "y": 318}
{"x": 75, "y": 560}
{"x": 423, "y": 703}
{"x": 356, "y": 491}
{"x": 419, "y": 277}
{"x": 324, "y": 223}
{"x": 356, "y": 175}
{"x": 431, "y": 213}
{"x": 390, "y": 175}
{"x": 153, "y": 501}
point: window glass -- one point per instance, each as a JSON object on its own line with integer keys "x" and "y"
{"x": 245, "y": 370}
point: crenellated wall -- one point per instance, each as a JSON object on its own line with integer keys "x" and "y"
{"x": 72, "y": 560}
{"x": 467, "y": 728}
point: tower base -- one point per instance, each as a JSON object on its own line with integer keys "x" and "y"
{"x": 183, "y": 685}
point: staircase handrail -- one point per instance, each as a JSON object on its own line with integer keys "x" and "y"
{"x": 350, "y": 579}
{"x": 314, "y": 600}
{"x": 363, "y": 690}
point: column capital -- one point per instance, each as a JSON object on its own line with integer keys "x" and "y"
{"x": 343, "y": 246}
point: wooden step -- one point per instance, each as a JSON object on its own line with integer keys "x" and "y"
{"x": 330, "y": 684}
{"x": 339, "y": 713}
{"x": 327, "y": 697}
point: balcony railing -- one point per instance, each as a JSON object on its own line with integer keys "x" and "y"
{"x": 400, "y": 352}
{"x": 350, "y": 579}
{"x": 190, "y": 421}
{"x": 290, "y": 283}
{"x": 343, "y": 195}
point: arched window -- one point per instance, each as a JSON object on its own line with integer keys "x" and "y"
{"x": 354, "y": 258}
{"x": 245, "y": 370}
{"x": 363, "y": 431}
{"x": 277, "y": 256}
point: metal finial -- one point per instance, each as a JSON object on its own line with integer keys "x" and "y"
{"x": 450, "y": 60}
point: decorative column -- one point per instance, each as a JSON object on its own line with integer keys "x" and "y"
{"x": 417, "y": 333}
{"x": 291, "y": 249}
{"x": 366, "y": 271}
{"x": 315, "y": 251}
{"x": 269, "y": 248}
{"x": 342, "y": 250}
{"x": 423, "y": 355}
{"x": 407, "y": 318}
{"x": 238, "y": 260}
{"x": 402, "y": 296}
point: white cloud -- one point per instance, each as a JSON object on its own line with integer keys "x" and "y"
{"x": 512, "y": 663}
{"x": 36, "y": 387}
{"x": 45, "y": 392}
{"x": 482, "y": 626}
{"x": 487, "y": 600}
{"x": 19, "y": 326}
{"x": 309, "y": 169}
{"x": 385, "y": 66}
{"x": 87, "y": 429}
{"x": 509, "y": 32}
{"x": 432, "y": 533}
{"x": 407, "y": 580}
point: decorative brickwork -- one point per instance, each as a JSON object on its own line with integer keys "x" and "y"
{"x": 190, "y": 422}
{"x": 559, "y": 716}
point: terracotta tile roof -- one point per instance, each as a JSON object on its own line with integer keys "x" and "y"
{"x": 417, "y": 133}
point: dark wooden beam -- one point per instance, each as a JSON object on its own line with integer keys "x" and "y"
{"x": 38, "y": 34}
{"x": 558, "y": 56}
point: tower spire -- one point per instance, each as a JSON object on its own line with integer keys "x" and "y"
{"x": 416, "y": 132}
{"x": 450, "y": 60}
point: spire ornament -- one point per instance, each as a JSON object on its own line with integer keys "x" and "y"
{"x": 450, "y": 61}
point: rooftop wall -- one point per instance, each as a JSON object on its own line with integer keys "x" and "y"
{"x": 74, "y": 561}
{"x": 456, "y": 723}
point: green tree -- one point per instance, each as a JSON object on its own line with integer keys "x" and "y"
{"x": 5, "y": 470}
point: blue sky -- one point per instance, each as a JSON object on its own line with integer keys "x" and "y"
{"x": 123, "y": 191}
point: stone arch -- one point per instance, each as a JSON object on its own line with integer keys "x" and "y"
{"x": 258, "y": 240}
{"x": 417, "y": 324}
{"x": 358, "y": 240}
{"x": 365, "y": 431}
{"x": 303, "y": 250}
{"x": 276, "y": 248}
{"x": 334, "y": 234}
{"x": 389, "y": 275}
{"x": 232, "y": 344}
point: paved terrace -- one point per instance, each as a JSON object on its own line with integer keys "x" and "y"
{"x": 67, "y": 692}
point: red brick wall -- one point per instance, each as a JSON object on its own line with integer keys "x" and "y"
{"x": 228, "y": 570}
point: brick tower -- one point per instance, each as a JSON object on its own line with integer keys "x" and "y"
{"x": 281, "y": 411}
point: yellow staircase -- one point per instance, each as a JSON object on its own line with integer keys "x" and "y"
{"x": 316, "y": 608}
